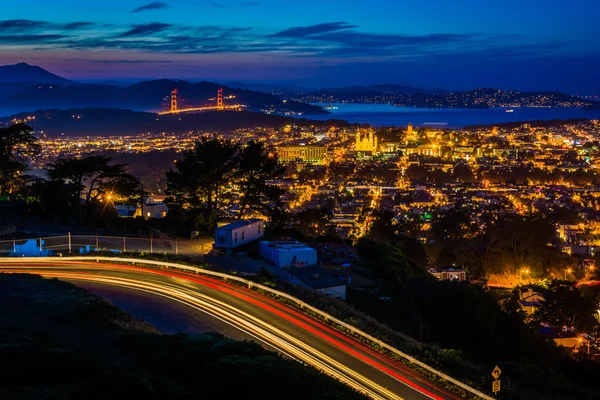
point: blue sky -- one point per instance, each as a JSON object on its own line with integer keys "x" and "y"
{"x": 460, "y": 44}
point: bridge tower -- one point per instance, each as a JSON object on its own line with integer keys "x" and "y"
{"x": 220, "y": 99}
{"x": 173, "y": 100}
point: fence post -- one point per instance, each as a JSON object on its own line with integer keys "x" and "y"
{"x": 150, "y": 244}
{"x": 124, "y": 244}
{"x": 14, "y": 246}
{"x": 176, "y": 247}
{"x": 40, "y": 245}
{"x": 96, "y": 242}
{"x": 69, "y": 242}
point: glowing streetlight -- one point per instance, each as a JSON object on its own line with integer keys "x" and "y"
{"x": 567, "y": 271}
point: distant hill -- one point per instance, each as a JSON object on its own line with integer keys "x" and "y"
{"x": 144, "y": 96}
{"x": 277, "y": 89}
{"x": 478, "y": 98}
{"x": 109, "y": 121}
{"x": 395, "y": 89}
{"x": 25, "y": 73}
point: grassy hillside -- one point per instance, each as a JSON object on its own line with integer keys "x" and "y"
{"x": 61, "y": 342}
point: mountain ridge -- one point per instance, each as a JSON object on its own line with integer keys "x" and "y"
{"x": 117, "y": 122}
{"x": 26, "y": 73}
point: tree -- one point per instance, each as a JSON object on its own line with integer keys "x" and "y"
{"x": 450, "y": 239}
{"x": 210, "y": 177}
{"x": 514, "y": 241}
{"x": 16, "y": 143}
{"x": 314, "y": 222}
{"x": 256, "y": 167}
{"x": 92, "y": 179}
{"x": 202, "y": 179}
{"x": 564, "y": 306}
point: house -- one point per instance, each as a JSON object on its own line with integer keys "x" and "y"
{"x": 150, "y": 209}
{"x": 449, "y": 274}
{"x": 154, "y": 209}
{"x": 239, "y": 233}
{"x": 530, "y": 300}
{"x": 318, "y": 279}
{"x": 288, "y": 253}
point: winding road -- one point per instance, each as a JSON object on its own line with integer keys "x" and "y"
{"x": 243, "y": 313}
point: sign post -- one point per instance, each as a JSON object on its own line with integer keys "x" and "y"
{"x": 496, "y": 383}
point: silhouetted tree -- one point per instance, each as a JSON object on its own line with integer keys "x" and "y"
{"x": 16, "y": 144}
{"x": 90, "y": 180}
{"x": 203, "y": 177}
{"x": 256, "y": 167}
{"x": 564, "y": 306}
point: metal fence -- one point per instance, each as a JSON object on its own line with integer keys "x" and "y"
{"x": 86, "y": 244}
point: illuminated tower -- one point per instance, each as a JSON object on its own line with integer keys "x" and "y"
{"x": 409, "y": 130}
{"x": 174, "y": 100}
{"x": 220, "y": 99}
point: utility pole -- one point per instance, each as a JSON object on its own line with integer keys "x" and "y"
{"x": 142, "y": 199}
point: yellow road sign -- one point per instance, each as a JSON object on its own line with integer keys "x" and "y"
{"x": 496, "y": 372}
{"x": 495, "y": 386}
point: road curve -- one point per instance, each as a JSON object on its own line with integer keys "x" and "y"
{"x": 262, "y": 318}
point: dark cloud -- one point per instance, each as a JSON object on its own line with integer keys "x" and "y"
{"x": 30, "y": 39}
{"x": 307, "y": 31}
{"x": 131, "y": 61}
{"x": 20, "y": 25}
{"x": 157, "y": 5}
{"x": 321, "y": 41}
{"x": 77, "y": 25}
{"x": 145, "y": 29}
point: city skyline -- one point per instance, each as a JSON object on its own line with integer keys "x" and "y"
{"x": 433, "y": 44}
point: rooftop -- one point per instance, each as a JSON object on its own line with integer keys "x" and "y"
{"x": 315, "y": 277}
{"x": 238, "y": 224}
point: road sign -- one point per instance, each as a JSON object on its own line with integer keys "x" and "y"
{"x": 496, "y": 386}
{"x": 496, "y": 372}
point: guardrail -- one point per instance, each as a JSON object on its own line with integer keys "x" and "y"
{"x": 251, "y": 284}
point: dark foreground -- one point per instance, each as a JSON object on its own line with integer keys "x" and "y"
{"x": 61, "y": 342}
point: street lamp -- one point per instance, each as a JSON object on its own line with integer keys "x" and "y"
{"x": 588, "y": 344}
{"x": 522, "y": 271}
{"x": 567, "y": 271}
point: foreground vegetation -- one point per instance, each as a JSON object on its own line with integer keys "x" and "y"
{"x": 461, "y": 328}
{"x": 60, "y": 342}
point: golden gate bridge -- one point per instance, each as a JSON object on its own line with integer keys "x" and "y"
{"x": 218, "y": 107}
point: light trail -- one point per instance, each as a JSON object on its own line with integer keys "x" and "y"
{"x": 249, "y": 325}
{"x": 184, "y": 288}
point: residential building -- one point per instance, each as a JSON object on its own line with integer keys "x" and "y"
{"x": 288, "y": 253}
{"x": 238, "y": 233}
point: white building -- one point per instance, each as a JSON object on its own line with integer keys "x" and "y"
{"x": 150, "y": 209}
{"x": 239, "y": 233}
{"x": 289, "y": 253}
{"x": 154, "y": 210}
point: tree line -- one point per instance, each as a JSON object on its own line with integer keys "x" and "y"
{"x": 215, "y": 179}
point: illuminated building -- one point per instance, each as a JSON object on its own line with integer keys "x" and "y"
{"x": 309, "y": 154}
{"x": 367, "y": 144}
{"x": 431, "y": 151}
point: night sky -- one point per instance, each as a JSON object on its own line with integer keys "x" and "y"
{"x": 461, "y": 44}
